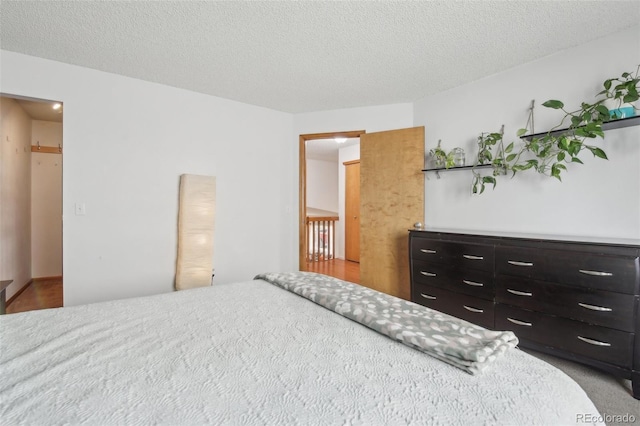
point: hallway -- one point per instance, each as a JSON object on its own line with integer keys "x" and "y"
{"x": 338, "y": 268}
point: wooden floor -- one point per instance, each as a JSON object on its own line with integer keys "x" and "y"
{"x": 338, "y": 268}
{"x": 40, "y": 294}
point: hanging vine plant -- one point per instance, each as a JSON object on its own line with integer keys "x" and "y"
{"x": 548, "y": 154}
{"x": 487, "y": 142}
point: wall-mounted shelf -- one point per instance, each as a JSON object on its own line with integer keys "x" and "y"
{"x": 609, "y": 125}
{"x": 444, "y": 169}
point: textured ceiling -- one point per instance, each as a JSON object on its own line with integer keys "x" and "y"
{"x": 300, "y": 56}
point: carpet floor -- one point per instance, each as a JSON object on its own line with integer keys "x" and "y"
{"x": 611, "y": 395}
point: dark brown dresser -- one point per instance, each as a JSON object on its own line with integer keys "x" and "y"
{"x": 574, "y": 299}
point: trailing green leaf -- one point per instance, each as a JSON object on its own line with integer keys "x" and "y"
{"x": 489, "y": 179}
{"x": 630, "y": 97}
{"x": 553, "y": 104}
{"x": 563, "y": 143}
{"x": 576, "y": 121}
{"x": 597, "y": 152}
{"x": 602, "y": 110}
{"x": 509, "y": 148}
{"x": 574, "y": 147}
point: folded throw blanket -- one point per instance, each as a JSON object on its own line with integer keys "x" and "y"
{"x": 450, "y": 339}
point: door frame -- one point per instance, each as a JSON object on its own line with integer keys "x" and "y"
{"x": 302, "y": 191}
{"x": 347, "y": 202}
{"x": 53, "y": 150}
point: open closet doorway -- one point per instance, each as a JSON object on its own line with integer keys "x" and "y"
{"x": 31, "y": 200}
{"x": 323, "y": 233}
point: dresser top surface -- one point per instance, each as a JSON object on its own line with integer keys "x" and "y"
{"x": 532, "y": 236}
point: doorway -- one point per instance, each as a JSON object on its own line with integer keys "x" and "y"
{"x": 31, "y": 202}
{"x": 335, "y": 266}
{"x": 391, "y": 200}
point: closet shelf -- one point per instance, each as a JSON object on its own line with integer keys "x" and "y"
{"x": 46, "y": 149}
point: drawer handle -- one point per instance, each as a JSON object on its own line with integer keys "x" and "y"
{"x": 428, "y": 251}
{"x": 515, "y": 321}
{"x": 472, "y": 257}
{"x": 596, "y": 273}
{"x": 476, "y": 310}
{"x": 595, "y": 308}
{"x": 519, "y": 293}
{"x": 593, "y": 342}
{"x": 517, "y": 263}
{"x": 426, "y": 296}
{"x": 475, "y": 284}
{"x": 428, "y": 274}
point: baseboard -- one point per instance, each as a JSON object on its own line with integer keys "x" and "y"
{"x": 19, "y": 292}
{"x": 56, "y": 277}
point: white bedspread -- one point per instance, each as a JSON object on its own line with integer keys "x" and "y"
{"x": 252, "y": 353}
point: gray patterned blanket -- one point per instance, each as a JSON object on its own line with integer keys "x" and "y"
{"x": 450, "y": 339}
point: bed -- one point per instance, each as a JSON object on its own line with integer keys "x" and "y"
{"x": 251, "y": 353}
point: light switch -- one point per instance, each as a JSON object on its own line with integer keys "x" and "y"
{"x": 81, "y": 209}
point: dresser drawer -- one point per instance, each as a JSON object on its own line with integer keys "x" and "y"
{"x": 604, "y": 344}
{"x": 474, "y": 282}
{"x": 456, "y": 254}
{"x": 472, "y": 309}
{"x": 608, "y": 309}
{"x": 428, "y": 250}
{"x": 591, "y": 270}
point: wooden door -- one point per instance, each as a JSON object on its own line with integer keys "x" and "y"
{"x": 352, "y": 211}
{"x": 391, "y": 201}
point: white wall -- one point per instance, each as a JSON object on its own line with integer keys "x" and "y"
{"x": 126, "y": 142}
{"x": 15, "y": 195}
{"x": 372, "y": 119}
{"x": 348, "y": 153}
{"x": 600, "y": 199}
{"x": 322, "y": 185}
{"x": 46, "y": 201}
